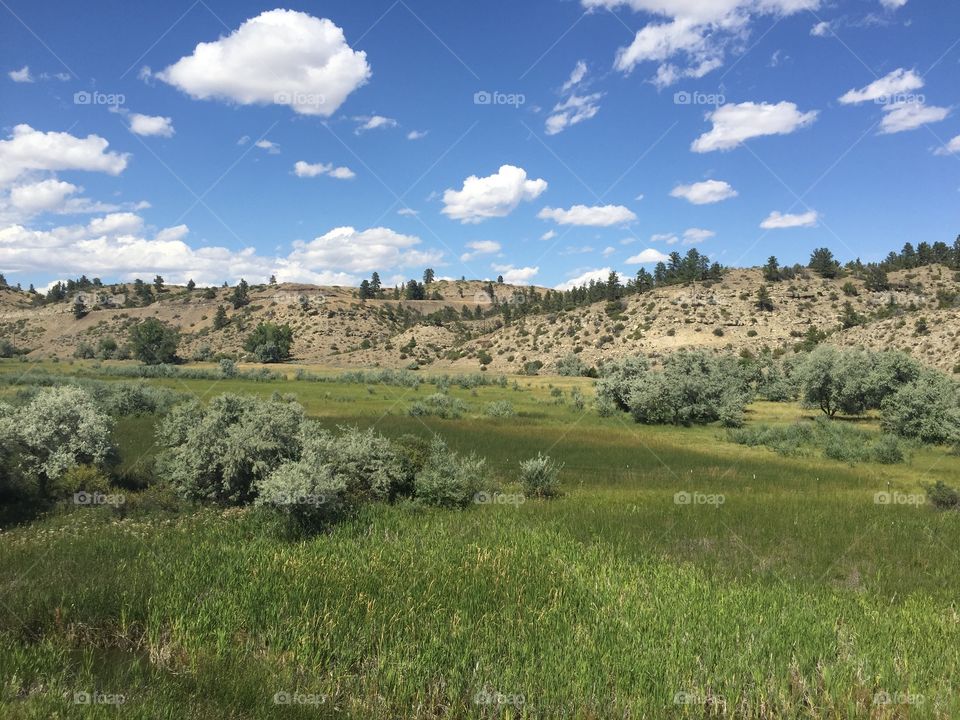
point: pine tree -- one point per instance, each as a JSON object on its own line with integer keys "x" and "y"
{"x": 220, "y": 319}
{"x": 764, "y": 301}
{"x": 240, "y": 295}
{"x": 771, "y": 271}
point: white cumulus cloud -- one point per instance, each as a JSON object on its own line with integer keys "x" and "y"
{"x": 373, "y": 122}
{"x": 909, "y": 115}
{"x": 595, "y": 216}
{"x": 493, "y": 196}
{"x": 516, "y": 276}
{"x": 951, "y": 148}
{"x": 735, "y": 123}
{"x": 22, "y": 75}
{"x": 585, "y": 278}
{"x": 704, "y": 193}
{"x": 695, "y": 236}
{"x": 151, "y": 125}
{"x": 647, "y": 257}
{"x": 29, "y": 149}
{"x": 281, "y": 57}
{"x": 361, "y": 251}
{"x": 304, "y": 169}
{"x": 898, "y": 82}
{"x": 480, "y": 247}
{"x": 690, "y": 38}
{"x": 779, "y": 221}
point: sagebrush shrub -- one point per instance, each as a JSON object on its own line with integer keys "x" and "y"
{"x": 927, "y": 409}
{"x": 220, "y": 451}
{"x": 499, "y": 408}
{"x": 59, "y": 429}
{"x": 540, "y": 476}
{"x": 449, "y": 479}
{"x": 440, "y": 405}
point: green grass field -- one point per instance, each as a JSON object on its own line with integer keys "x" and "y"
{"x": 781, "y": 589}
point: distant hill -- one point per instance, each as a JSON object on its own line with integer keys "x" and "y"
{"x": 333, "y": 327}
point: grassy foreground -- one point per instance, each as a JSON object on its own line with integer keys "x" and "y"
{"x": 781, "y": 589}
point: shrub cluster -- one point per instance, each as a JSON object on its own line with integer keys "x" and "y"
{"x": 439, "y": 405}
{"x": 56, "y": 431}
{"x": 837, "y": 441}
{"x": 694, "y": 387}
{"x": 240, "y": 450}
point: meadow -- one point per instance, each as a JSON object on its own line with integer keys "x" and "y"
{"x": 679, "y": 575}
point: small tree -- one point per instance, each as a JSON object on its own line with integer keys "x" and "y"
{"x": 220, "y": 319}
{"x": 876, "y": 279}
{"x": 79, "y": 308}
{"x": 158, "y": 283}
{"x": 154, "y": 342}
{"x": 850, "y": 317}
{"x": 190, "y": 285}
{"x": 240, "y": 295}
{"x": 771, "y": 271}
{"x": 823, "y": 263}
{"x": 428, "y": 276}
{"x": 764, "y": 301}
{"x": 270, "y": 342}
{"x": 365, "y": 292}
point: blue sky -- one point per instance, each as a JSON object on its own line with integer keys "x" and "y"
{"x": 547, "y": 140}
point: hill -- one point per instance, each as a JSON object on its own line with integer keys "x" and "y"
{"x": 462, "y": 328}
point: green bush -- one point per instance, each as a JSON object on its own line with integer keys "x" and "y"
{"x": 618, "y": 380}
{"x": 942, "y": 496}
{"x": 440, "y": 405}
{"x": 694, "y": 387}
{"x": 571, "y": 366}
{"x": 448, "y": 479}
{"x": 927, "y": 409}
{"x": 837, "y": 441}
{"x": 500, "y": 408}
{"x": 540, "y": 476}
{"x": 220, "y": 451}
{"x": 59, "y": 429}
{"x": 154, "y": 342}
{"x": 270, "y": 342}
